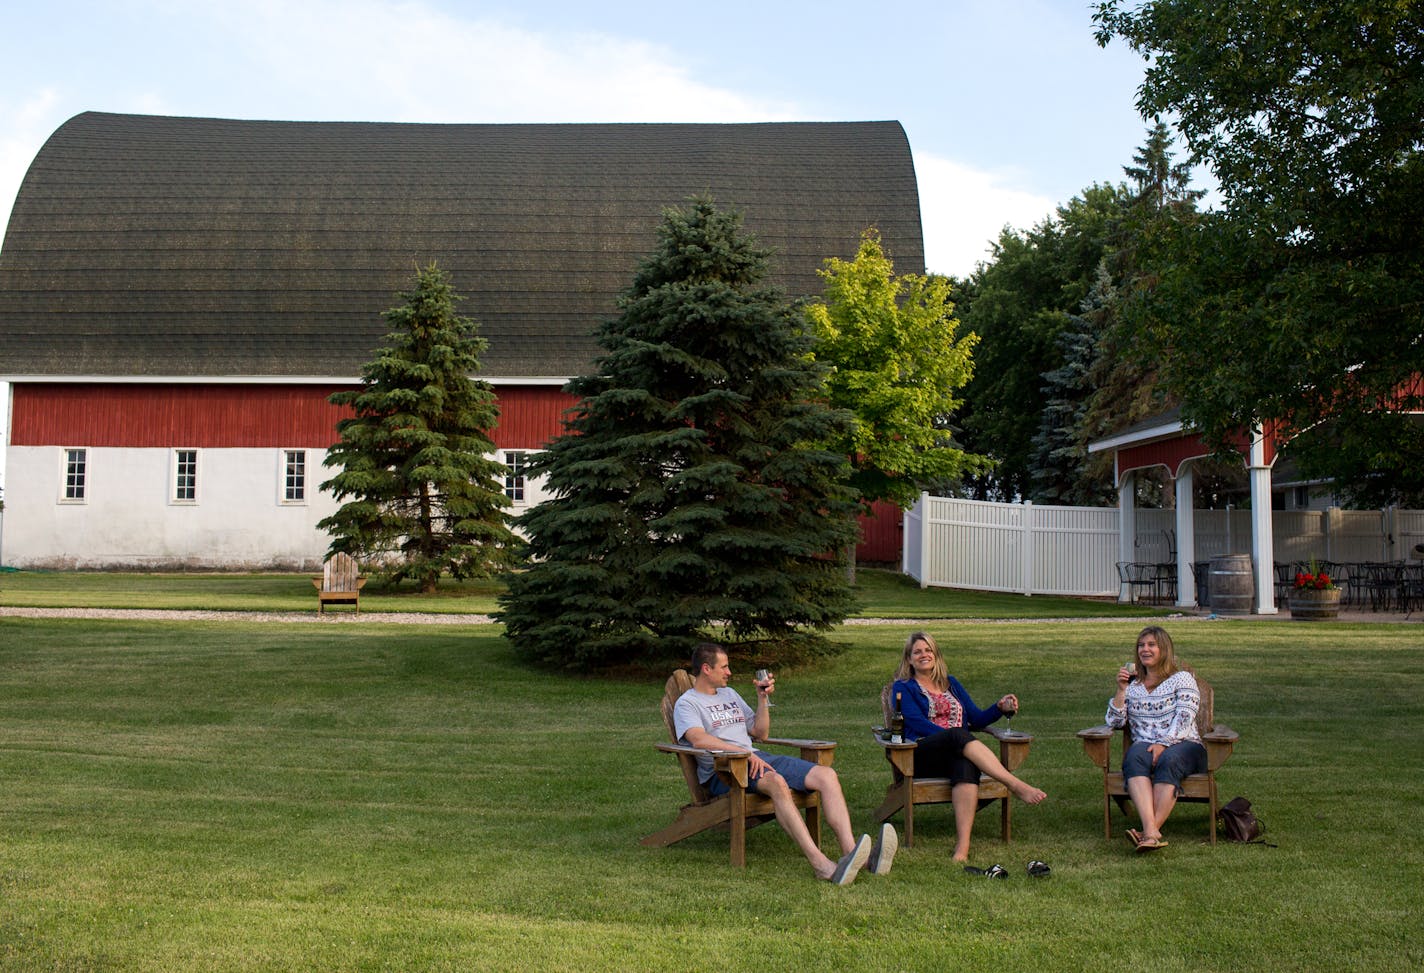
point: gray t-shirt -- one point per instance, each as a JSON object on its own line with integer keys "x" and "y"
{"x": 724, "y": 714}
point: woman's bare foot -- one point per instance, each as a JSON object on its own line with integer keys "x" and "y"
{"x": 960, "y": 856}
{"x": 1028, "y": 793}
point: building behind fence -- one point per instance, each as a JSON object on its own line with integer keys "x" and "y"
{"x": 1043, "y": 550}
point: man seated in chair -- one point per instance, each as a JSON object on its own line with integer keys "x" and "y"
{"x": 713, "y": 716}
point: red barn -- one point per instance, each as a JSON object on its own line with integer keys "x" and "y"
{"x": 179, "y": 296}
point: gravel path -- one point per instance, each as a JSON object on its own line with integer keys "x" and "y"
{"x": 333, "y": 618}
{"x": 429, "y": 618}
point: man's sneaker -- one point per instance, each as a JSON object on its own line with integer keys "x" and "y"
{"x": 883, "y": 854}
{"x": 850, "y": 864}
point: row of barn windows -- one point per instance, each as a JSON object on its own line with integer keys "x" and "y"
{"x": 293, "y": 472}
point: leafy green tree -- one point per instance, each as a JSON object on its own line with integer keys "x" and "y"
{"x": 896, "y": 363}
{"x": 426, "y": 497}
{"x": 1302, "y": 302}
{"x": 690, "y": 494}
{"x": 1021, "y": 303}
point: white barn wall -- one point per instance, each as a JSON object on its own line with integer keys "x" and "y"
{"x": 128, "y": 520}
{"x": 238, "y": 522}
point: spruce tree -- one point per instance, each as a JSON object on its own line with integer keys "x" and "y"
{"x": 690, "y": 495}
{"x": 427, "y": 498}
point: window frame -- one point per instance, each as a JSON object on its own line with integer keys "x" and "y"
{"x": 284, "y": 477}
{"x": 516, "y": 480}
{"x": 66, "y": 473}
{"x": 176, "y": 473}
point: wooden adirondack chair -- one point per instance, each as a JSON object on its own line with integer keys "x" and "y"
{"x": 1218, "y": 739}
{"x": 340, "y": 583}
{"x": 738, "y": 809}
{"x": 906, "y": 790}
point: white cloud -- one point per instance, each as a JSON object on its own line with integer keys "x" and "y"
{"x": 411, "y": 62}
{"x": 963, "y": 210}
{"x": 29, "y": 123}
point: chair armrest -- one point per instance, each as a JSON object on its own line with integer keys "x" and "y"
{"x": 1097, "y": 742}
{"x": 803, "y": 744}
{"x": 1013, "y": 746}
{"x": 1219, "y": 741}
{"x": 316, "y": 583}
{"x": 1220, "y": 733}
{"x": 1008, "y": 736}
{"x": 819, "y": 752}
{"x": 698, "y": 751}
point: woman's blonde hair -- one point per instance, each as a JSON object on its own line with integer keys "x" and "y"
{"x": 1164, "y": 643}
{"x": 940, "y": 674}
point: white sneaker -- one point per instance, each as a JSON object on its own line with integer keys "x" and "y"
{"x": 850, "y": 864}
{"x": 883, "y": 854}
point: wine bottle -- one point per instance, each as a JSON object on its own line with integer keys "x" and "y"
{"x": 897, "y": 723}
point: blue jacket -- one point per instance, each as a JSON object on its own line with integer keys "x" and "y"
{"x": 915, "y": 706}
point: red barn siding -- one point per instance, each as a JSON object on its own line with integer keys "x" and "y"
{"x": 229, "y": 416}
{"x": 880, "y": 534}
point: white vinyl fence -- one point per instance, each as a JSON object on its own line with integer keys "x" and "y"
{"x": 1042, "y": 550}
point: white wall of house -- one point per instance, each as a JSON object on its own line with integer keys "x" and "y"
{"x": 129, "y": 517}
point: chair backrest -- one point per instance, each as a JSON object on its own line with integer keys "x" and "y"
{"x": 678, "y": 683}
{"x": 1206, "y": 715}
{"x": 340, "y": 573}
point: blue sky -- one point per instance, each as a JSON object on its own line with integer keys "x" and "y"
{"x": 1010, "y": 105}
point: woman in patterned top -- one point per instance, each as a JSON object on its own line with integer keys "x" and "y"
{"x": 1158, "y": 701}
{"x": 938, "y": 717}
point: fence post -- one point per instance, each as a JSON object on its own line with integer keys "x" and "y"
{"x": 1026, "y": 549}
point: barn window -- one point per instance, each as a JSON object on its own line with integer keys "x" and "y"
{"x": 514, "y": 475}
{"x": 76, "y": 475}
{"x": 294, "y": 475}
{"x": 185, "y": 476}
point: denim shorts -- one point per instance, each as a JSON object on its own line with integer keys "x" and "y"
{"x": 792, "y": 769}
{"x": 1176, "y": 762}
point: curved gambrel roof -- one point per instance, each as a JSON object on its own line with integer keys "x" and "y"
{"x": 191, "y": 247}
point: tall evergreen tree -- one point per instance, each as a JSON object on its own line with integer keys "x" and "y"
{"x": 689, "y": 493}
{"x": 427, "y": 497}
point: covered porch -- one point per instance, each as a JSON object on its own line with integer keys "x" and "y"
{"x": 1165, "y": 441}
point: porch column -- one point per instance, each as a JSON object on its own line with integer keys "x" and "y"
{"x": 1262, "y": 541}
{"x": 1186, "y": 539}
{"x": 1126, "y": 524}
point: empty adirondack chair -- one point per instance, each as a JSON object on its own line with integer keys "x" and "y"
{"x": 738, "y": 809}
{"x": 906, "y": 790}
{"x": 1218, "y": 739}
{"x": 340, "y": 583}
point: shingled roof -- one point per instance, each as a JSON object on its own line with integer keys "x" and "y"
{"x": 190, "y": 247}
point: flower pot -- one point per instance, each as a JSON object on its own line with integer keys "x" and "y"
{"x": 1315, "y": 604}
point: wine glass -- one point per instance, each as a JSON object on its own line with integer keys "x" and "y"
{"x": 760, "y": 679}
{"x": 1009, "y": 714}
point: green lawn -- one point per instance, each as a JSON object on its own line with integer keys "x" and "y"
{"x": 199, "y": 795}
{"x": 884, "y": 594}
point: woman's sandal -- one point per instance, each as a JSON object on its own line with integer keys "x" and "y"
{"x": 1134, "y": 836}
{"x": 1151, "y": 844}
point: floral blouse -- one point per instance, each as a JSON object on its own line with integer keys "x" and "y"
{"x": 1166, "y": 715}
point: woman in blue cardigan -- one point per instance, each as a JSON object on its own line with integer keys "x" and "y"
{"x": 939, "y": 715}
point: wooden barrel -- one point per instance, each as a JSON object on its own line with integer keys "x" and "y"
{"x": 1233, "y": 586}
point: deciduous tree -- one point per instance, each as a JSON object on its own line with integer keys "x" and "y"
{"x": 1303, "y": 300}
{"x": 897, "y": 363}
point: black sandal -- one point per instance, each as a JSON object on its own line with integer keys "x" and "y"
{"x": 993, "y": 871}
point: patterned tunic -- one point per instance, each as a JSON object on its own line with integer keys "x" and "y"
{"x": 1166, "y": 715}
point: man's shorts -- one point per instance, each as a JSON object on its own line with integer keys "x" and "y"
{"x": 792, "y": 769}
